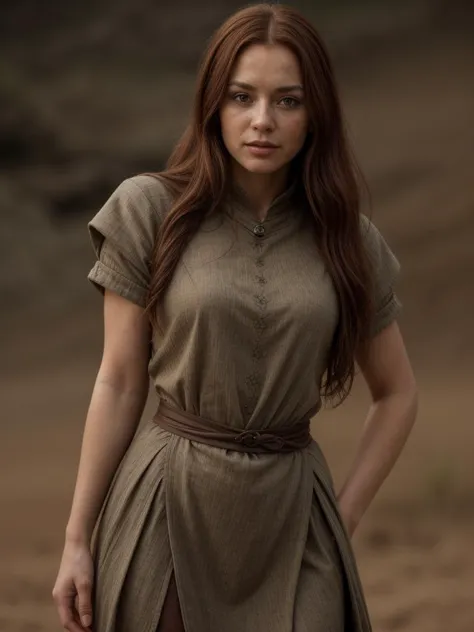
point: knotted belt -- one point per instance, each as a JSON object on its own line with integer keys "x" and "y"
{"x": 284, "y": 439}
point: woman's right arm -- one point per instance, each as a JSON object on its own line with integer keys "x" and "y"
{"x": 117, "y": 403}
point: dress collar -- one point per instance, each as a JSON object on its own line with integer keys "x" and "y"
{"x": 282, "y": 209}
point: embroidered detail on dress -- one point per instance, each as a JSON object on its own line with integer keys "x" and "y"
{"x": 254, "y": 380}
{"x": 258, "y": 353}
{"x": 260, "y": 324}
{"x": 261, "y": 300}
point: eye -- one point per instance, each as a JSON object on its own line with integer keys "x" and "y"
{"x": 240, "y": 97}
{"x": 290, "y": 102}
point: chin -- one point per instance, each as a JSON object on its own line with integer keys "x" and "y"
{"x": 260, "y": 166}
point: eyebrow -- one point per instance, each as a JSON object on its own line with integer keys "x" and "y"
{"x": 248, "y": 86}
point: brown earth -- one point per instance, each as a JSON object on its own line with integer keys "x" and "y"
{"x": 411, "y": 113}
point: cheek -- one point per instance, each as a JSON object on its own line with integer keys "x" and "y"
{"x": 297, "y": 130}
{"x": 231, "y": 126}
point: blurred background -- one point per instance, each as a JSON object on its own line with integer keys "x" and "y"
{"x": 96, "y": 91}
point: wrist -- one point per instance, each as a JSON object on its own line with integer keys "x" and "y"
{"x": 349, "y": 514}
{"x": 77, "y": 536}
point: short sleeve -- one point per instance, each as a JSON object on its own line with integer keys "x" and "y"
{"x": 123, "y": 235}
{"x": 386, "y": 269}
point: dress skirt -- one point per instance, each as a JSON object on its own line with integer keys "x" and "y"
{"x": 230, "y": 542}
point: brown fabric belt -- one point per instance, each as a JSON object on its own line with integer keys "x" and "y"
{"x": 285, "y": 439}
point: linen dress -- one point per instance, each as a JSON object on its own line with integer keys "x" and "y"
{"x": 255, "y": 542}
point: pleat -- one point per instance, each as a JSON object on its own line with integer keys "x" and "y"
{"x": 131, "y": 551}
{"x": 148, "y": 575}
{"x": 320, "y": 600}
{"x": 324, "y": 501}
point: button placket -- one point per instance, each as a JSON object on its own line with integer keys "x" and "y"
{"x": 253, "y": 380}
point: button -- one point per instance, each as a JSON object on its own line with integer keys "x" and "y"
{"x": 259, "y": 230}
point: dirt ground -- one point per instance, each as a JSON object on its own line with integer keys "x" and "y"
{"x": 411, "y": 117}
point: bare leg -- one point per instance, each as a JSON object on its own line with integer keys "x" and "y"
{"x": 171, "y": 620}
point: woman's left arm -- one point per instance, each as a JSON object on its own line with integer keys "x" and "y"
{"x": 386, "y": 368}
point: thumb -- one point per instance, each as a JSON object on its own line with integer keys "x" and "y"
{"x": 84, "y": 605}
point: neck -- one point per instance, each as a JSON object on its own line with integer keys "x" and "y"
{"x": 260, "y": 188}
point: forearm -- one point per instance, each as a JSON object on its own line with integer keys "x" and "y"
{"x": 385, "y": 432}
{"x": 112, "y": 419}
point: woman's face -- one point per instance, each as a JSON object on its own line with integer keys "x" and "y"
{"x": 264, "y": 118}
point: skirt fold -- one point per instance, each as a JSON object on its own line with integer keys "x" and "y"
{"x": 133, "y": 532}
{"x": 357, "y": 616}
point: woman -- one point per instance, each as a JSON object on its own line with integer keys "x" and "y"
{"x": 245, "y": 282}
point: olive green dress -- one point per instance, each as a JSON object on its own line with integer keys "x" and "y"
{"x": 255, "y": 541}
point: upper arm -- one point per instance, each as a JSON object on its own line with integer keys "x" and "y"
{"x": 385, "y": 365}
{"x": 123, "y": 235}
{"x": 383, "y": 358}
{"x": 126, "y": 344}
{"x": 385, "y": 271}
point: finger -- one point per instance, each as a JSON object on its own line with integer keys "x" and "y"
{"x": 66, "y": 616}
{"x": 84, "y": 602}
{"x": 72, "y": 626}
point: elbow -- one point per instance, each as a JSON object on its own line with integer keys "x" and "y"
{"x": 411, "y": 396}
{"x": 405, "y": 407}
{"x": 410, "y": 393}
{"x": 404, "y": 396}
{"x": 127, "y": 381}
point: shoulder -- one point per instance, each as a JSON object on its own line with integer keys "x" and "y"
{"x": 151, "y": 187}
{"x": 372, "y": 238}
{"x": 146, "y": 193}
{"x": 385, "y": 264}
{"x": 138, "y": 204}
{"x": 368, "y": 229}
{"x": 131, "y": 217}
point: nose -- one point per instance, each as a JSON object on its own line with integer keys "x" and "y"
{"x": 262, "y": 119}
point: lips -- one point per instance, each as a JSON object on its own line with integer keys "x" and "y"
{"x": 263, "y": 144}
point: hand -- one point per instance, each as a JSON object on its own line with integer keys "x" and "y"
{"x": 72, "y": 591}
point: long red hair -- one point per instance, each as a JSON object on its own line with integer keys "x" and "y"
{"x": 197, "y": 173}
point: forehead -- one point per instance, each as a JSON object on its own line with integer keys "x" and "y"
{"x": 264, "y": 64}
